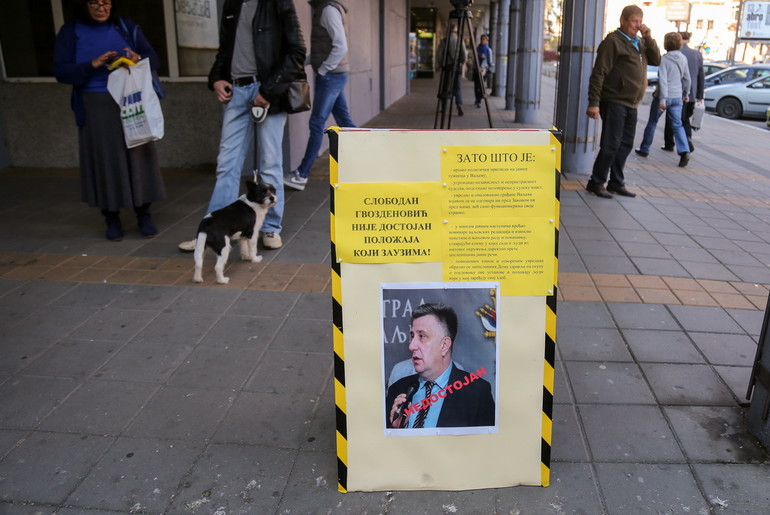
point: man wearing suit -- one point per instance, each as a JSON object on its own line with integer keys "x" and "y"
{"x": 695, "y": 65}
{"x": 440, "y": 394}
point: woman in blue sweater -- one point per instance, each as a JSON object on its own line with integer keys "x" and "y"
{"x": 112, "y": 176}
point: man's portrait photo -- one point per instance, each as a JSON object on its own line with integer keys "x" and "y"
{"x": 439, "y": 355}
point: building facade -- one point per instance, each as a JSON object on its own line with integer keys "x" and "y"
{"x": 37, "y": 128}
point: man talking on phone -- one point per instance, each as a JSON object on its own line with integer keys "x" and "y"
{"x": 616, "y": 87}
{"x": 261, "y": 51}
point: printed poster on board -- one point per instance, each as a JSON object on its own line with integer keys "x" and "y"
{"x": 444, "y": 286}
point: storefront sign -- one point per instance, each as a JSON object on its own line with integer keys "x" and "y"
{"x": 755, "y": 21}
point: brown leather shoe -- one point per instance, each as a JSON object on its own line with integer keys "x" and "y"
{"x": 621, "y": 191}
{"x": 598, "y": 190}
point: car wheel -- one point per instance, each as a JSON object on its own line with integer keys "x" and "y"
{"x": 729, "y": 108}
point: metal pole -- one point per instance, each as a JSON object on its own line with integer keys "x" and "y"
{"x": 530, "y": 62}
{"x": 582, "y": 29}
{"x": 513, "y": 46}
{"x": 501, "y": 66}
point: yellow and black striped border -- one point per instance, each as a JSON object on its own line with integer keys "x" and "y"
{"x": 550, "y": 330}
{"x": 339, "y": 351}
{"x": 340, "y": 404}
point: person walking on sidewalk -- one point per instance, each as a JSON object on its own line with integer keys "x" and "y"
{"x": 112, "y": 177}
{"x": 486, "y": 63}
{"x": 616, "y": 87}
{"x": 328, "y": 57}
{"x": 673, "y": 90}
{"x": 261, "y": 51}
{"x": 697, "y": 79}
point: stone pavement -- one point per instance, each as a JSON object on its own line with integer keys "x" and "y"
{"x": 126, "y": 388}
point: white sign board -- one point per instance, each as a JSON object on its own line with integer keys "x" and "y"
{"x": 678, "y": 11}
{"x": 196, "y": 23}
{"x": 755, "y": 21}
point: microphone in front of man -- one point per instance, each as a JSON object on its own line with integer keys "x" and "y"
{"x": 409, "y": 394}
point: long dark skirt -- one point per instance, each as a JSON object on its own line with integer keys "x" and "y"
{"x": 113, "y": 177}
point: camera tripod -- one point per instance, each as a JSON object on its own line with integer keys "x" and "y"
{"x": 451, "y": 67}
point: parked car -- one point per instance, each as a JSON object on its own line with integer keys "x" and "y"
{"x": 739, "y": 99}
{"x": 652, "y": 75}
{"x": 741, "y": 73}
{"x": 710, "y": 67}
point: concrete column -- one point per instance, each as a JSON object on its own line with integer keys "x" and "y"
{"x": 513, "y": 47}
{"x": 582, "y": 28}
{"x": 530, "y": 62}
{"x": 501, "y": 52}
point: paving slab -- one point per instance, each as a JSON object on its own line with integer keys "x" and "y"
{"x": 686, "y": 384}
{"x": 608, "y": 383}
{"x": 650, "y": 488}
{"x": 740, "y": 489}
{"x": 649, "y": 345}
{"x": 45, "y": 467}
{"x": 136, "y": 475}
{"x": 630, "y": 434}
{"x": 591, "y": 344}
{"x": 714, "y": 434}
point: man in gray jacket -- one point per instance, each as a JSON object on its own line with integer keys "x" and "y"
{"x": 695, "y": 65}
{"x": 329, "y": 59}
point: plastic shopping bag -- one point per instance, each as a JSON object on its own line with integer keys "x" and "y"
{"x": 140, "y": 110}
{"x": 696, "y": 122}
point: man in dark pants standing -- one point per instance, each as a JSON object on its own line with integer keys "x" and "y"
{"x": 616, "y": 87}
{"x": 695, "y": 64}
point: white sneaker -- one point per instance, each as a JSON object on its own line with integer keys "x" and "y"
{"x": 187, "y": 246}
{"x": 271, "y": 240}
{"x": 295, "y": 180}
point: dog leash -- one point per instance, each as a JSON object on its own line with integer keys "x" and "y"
{"x": 258, "y": 115}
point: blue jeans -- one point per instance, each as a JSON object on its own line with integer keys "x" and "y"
{"x": 652, "y": 123}
{"x": 237, "y": 134}
{"x": 328, "y": 98}
{"x": 673, "y": 117}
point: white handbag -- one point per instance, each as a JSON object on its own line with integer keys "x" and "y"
{"x": 696, "y": 122}
{"x": 140, "y": 111}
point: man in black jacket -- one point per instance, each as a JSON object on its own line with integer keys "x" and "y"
{"x": 440, "y": 394}
{"x": 261, "y": 51}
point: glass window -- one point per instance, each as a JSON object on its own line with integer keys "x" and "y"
{"x": 737, "y": 75}
{"x": 197, "y": 30}
{"x": 27, "y": 33}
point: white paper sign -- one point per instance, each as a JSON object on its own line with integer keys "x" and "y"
{"x": 755, "y": 22}
{"x": 196, "y": 23}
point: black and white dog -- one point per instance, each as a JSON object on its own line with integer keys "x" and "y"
{"x": 240, "y": 220}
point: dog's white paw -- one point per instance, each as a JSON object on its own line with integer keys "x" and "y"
{"x": 256, "y": 259}
{"x": 223, "y": 280}
{"x": 197, "y": 278}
